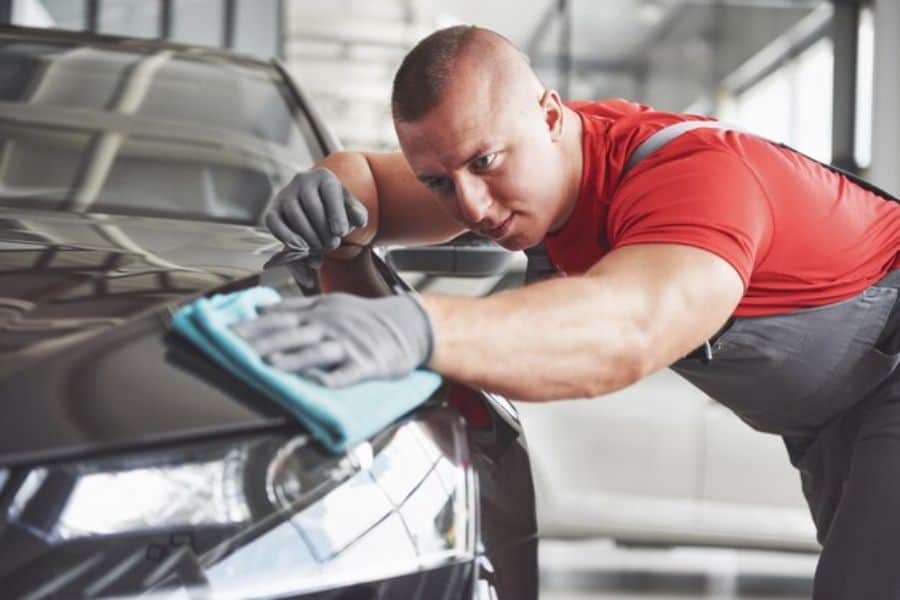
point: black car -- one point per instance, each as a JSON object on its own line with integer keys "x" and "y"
{"x": 133, "y": 176}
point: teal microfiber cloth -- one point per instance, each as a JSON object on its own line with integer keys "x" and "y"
{"x": 339, "y": 417}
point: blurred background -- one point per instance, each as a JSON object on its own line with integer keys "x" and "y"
{"x": 655, "y": 491}
{"x": 799, "y": 71}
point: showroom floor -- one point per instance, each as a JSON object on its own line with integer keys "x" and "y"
{"x": 579, "y": 570}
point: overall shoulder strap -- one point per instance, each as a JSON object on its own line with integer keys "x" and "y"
{"x": 666, "y": 135}
{"x": 670, "y": 132}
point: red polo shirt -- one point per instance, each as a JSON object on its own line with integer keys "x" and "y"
{"x": 798, "y": 234}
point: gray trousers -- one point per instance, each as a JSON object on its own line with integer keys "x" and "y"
{"x": 827, "y": 379}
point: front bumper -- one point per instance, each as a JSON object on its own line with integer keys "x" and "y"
{"x": 269, "y": 515}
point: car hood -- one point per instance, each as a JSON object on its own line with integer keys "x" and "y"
{"x": 87, "y": 360}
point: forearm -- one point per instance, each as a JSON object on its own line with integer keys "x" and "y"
{"x": 562, "y": 338}
{"x": 352, "y": 168}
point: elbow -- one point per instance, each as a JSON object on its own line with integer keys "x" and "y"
{"x": 638, "y": 354}
{"x": 622, "y": 374}
{"x": 636, "y": 367}
{"x": 628, "y": 364}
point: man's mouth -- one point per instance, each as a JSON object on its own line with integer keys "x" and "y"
{"x": 501, "y": 229}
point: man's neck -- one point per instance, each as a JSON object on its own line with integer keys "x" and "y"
{"x": 573, "y": 163}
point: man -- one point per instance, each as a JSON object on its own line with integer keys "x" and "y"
{"x": 787, "y": 267}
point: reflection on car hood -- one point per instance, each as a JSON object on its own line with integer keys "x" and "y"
{"x": 85, "y": 353}
{"x": 64, "y": 274}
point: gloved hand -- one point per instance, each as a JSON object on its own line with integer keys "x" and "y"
{"x": 313, "y": 212}
{"x": 339, "y": 339}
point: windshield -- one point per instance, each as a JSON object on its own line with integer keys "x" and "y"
{"x": 163, "y": 132}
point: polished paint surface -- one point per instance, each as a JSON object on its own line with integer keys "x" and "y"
{"x": 84, "y": 328}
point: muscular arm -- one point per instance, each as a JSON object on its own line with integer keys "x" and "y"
{"x": 401, "y": 209}
{"x": 639, "y": 309}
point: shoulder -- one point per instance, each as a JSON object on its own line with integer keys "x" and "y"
{"x": 618, "y": 127}
{"x": 704, "y": 191}
{"x": 692, "y": 168}
{"x": 703, "y": 156}
{"x": 611, "y": 108}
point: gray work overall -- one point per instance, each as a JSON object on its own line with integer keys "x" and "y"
{"x": 826, "y": 379}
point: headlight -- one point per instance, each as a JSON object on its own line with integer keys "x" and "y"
{"x": 122, "y": 498}
{"x": 259, "y": 517}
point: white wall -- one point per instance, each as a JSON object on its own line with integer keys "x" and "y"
{"x": 886, "y": 110}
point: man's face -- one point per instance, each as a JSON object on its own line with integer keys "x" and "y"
{"x": 492, "y": 164}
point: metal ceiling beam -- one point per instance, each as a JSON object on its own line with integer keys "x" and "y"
{"x": 673, "y": 17}
{"x": 532, "y": 46}
{"x": 92, "y": 15}
{"x": 165, "y": 19}
{"x": 229, "y": 26}
{"x": 6, "y": 11}
{"x": 282, "y": 29}
{"x": 633, "y": 64}
{"x": 579, "y": 65}
{"x": 845, "y": 36}
{"x": 800, "y": 37}
{"x": 306, "y": 57}
{"x": 359, "y": 32}
{"x": 564, "y": 53}
{"x": 757, "y": 3}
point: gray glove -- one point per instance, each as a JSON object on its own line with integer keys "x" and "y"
{"x": 313, "y": 212}
{"x": 339, "y": 339}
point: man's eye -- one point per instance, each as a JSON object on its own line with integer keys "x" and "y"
{"x": 438, "y": 184}
{"x": 485, "y": 160}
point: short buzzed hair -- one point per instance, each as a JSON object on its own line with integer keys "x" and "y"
{"x": 423, "y": 75}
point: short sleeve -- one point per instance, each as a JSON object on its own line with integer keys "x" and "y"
{"x": 709, "y": 199}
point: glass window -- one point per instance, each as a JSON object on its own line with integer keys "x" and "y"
{"x": 256, "y": 27}
{"x": 793, "y": 104}
{"x": 198, "y": 21}
{"x": 865, "y": 77}
{"x": 812, "y": 77}
{"x": 138, "y": 18}
{"x": 62, "y": 14}
{"x": 764, "y": 109}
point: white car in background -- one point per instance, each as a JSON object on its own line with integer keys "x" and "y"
{"x": 658, "y": 463}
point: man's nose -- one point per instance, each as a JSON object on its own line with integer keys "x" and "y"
{"x": 472, "y": 198}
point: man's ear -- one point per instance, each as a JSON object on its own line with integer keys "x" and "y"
{"x": 552, "y": 106}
